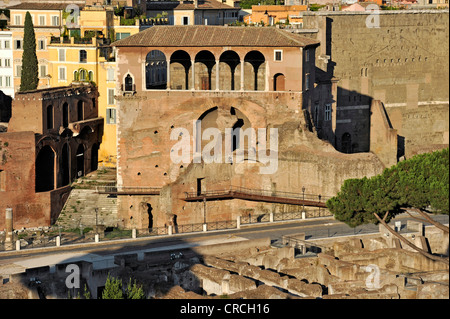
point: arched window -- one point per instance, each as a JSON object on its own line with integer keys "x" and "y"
{"x": 91, "y": 76}
{"x": 180, "y": 63}
{"x": 49, "y": 117}
{"x": 82, "y": 74}
{"x": 154, "y": 61}
{"x": 80, "y": 110}
{"x": 65, "y": 119}
{"x": 256, "y": 59}
{"x": 45, "y": 170}
{"x": 128, "y": 83}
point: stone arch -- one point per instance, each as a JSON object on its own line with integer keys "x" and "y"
{"x": 180, "y": 63}
{"x": 65, "y": 115}
{"x": 155, "y": 70}
{"x": 229, "y": 70}
{"x": 279, "y": 82}
{"x": 255, "y": 78}
{"x": 45, "y": 169}
{"x": 204, "y": 64}
{"x": 221, "y": 118}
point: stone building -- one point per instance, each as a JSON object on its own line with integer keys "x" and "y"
{"x": 399, "y": 58}
{"x": 219, "y": 78}
{"x": 53, "y": 137}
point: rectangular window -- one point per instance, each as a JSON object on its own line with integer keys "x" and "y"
{"x": 7, "y": 44}
{"x": 17, "y": 19}
{"x": 1, "y": 81}
{"x": 307, "y": 81}
{"x": 55, "y": 21}
{"x": 306, "y": 55}
{"x": 111, "y": 116}
{"x": 122, "y": 35}
{"x": 43, "y": 71}
{"x": 185, "y": 20}
{"x": 41, "y": 20}
{"x": 0, "y": 63}
{"x": 62, "y": 74}
{"x": 41, "y": 45}
{"x": 18, "y": 70}
{"x": 328, "y": 112}
{"x": 62, "y": 55}
{"x": 18, "y": 44}
{"x": 7, "y": 81}
{"x": 110, "y": 75}
{"x": 278, "y": 55}
{"x": 7, "y": 63}
{"x": 111, "y": 99}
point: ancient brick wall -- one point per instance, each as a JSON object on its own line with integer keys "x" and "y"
{"x": 404, "y": 63}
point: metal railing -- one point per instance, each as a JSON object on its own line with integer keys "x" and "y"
{"x": 257, "y": 192}
{"x": 127, "y": 190}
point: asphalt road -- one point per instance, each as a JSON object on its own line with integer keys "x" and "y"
{"x": 313, "y": 229}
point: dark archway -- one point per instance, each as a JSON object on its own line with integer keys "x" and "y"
{"x": 49, "y": 117}
{"x": 65, "y": 165}
{"x": 346, "y": 143}
{"x": 155, "y": 71}
{"x": 45, "y": 170}
{"x": 128, "y": 83}
{"x": 256, "y": 59}
{"x": 150, "y": 216}
{"x": 205, "y": 61}
{"x": 65, "y": 112}
{"x": 279, "y": 82}
{"x": 80, "y": 110}
{"x": 94, "y": 157}
{"x": 80, "y": 160}
{"x": 232, "y": 59}
{"x": 180, "y": 63}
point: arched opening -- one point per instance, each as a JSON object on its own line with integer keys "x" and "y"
{"x": 155, "y": 71}
{"x": 82, "y": 74}
{"x": 278, "y": 82}
{"x": 128, "y": 83}
{"x": 180, "y": 63}
{"x": 346, "y": 143}
{"x": 45, "y": 170}
{"x": 65, "y": 166}
{"x": 150, "y": 216}
{"x": 65, "y": 114}
{"x": 91, "y": 76}
{"x": 80, "y": 110}
{"x": 255, "y": 80}
{"x": 222, "y": 119}
{"x": 229, "y": 60}
{"x": 204, "y": 63}
{"x": 49, "y": 117}
{"x": 80, "y": 160}
{"x": 94, "y": 157}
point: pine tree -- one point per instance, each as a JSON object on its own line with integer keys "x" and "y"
{"x": 29, "y": 77}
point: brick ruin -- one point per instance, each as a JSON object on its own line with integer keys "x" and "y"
{"x": 357, "y": 267}
{"x": 52, "y": 138}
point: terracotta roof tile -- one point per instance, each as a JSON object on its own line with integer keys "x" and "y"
{"x": 39, "y": 6}
{"x": 209, "y": 36}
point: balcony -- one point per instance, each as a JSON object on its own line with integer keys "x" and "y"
{"x": 128, "y": 89}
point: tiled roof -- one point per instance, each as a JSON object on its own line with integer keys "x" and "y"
{"x": 39, "y": 6}
{"x": 185, "y": 5}
{"x": 213, "y": 36}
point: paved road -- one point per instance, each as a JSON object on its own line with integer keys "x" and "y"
{"x": 103, "y": 255}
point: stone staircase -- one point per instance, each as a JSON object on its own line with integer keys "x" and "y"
{"x": 85, "y": 206}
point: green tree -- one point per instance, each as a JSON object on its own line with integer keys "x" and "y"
{"x": 114, "y": 290}
{"x": 29, "y": 77}
{"x": 419, "y": 184}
